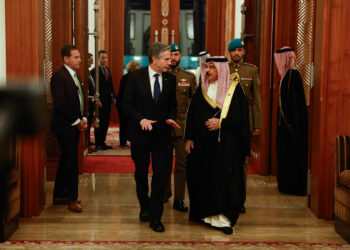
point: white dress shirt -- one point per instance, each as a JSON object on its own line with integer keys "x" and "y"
{"x": 152, "y": 79}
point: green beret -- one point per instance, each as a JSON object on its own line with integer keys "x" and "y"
{"x": 235, "y": 43}
{"x": 175, "y": 47}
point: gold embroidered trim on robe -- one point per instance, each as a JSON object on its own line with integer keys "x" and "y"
{"x": 227, "y": 103}
{"x": 211, "y": 102}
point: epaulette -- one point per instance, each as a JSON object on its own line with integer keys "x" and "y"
{"x": 251, "y": 65}
{"x": 189, "y": 72}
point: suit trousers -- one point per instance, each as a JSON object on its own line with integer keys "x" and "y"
{"x": 66, "y": 183}
{"x": 90, "y": 118}
{"x": 141, "y": 157}
{"x": 123, "y": 129}
{"x": 179, "y": 170}
{"x": 104, "y": 115}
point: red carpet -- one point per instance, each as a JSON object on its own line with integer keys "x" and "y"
{"x": 110, "y": 164}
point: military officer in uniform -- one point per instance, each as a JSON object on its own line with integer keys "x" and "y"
{"x": 249, "y": 79}
{"x": 185, "y": 88}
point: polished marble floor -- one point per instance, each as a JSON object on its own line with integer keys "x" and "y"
{"x": 110, "y": 213}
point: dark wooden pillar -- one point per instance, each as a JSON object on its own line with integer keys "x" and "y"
{"x": 165, "y": 21}
{"x": 24, "y": 59}
{"x": 61, "y": 18}
{"x": 113, "y": 29}
{"x": 215, "y": 28}
{"x": 81, "y": 29}
{"x": 331, "y": 98}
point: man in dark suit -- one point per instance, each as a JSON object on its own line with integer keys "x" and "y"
{"x": 91, "y": 103}
{"x": 107, "y": 97}
{"x": 123, "y": 120}
{"x": 68, "y": 121}
{"x": 150, "y": 104}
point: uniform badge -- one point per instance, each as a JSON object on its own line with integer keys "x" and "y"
{"x": 183, "y": 83}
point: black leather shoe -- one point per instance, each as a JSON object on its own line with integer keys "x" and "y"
{"x": 167, "y": 196}
{"x": 180, "y": 205}
{"x": 144, "y": 215}
{"x": 157, "y": 226}
{"x": 242, "y": 210}
{"x": 100, "y": 147}
{"x": 227, "y": 230}
{"x": 106, "y": 146}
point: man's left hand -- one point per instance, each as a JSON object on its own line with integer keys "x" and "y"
{"x": 172, "y": 123}
{"x": 212, "y": 124}
{"x": 256, "y": 132}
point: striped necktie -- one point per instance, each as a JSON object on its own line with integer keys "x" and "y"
{"x": 81, "y": 96}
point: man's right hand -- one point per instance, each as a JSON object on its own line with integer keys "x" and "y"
{"x": 147, "y": 124}
{"x": 81, "y": 125}
{"x": 188, "y": 146}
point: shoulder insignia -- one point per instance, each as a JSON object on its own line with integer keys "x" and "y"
{"x": 251, "y": 65}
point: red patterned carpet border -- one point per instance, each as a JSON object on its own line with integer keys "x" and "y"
{"x": 172, "y": 244}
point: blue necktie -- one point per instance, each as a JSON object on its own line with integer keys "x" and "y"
{"x": 156, "y": 90}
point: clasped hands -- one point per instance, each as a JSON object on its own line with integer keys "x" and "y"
{"x": 147, "y": 124}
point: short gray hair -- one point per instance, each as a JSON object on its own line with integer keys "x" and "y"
{"x": 156, "y": 50}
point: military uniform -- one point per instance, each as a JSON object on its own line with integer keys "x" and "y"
{"x": 185, "y": 88}
{"x": 249, "y": 79}
{"x": 250, "y": 82}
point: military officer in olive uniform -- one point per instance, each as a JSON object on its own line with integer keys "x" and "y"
{"x": 249, "y": 79}
{"x": 185, "y": 88}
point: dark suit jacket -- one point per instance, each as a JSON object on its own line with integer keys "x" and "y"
{"x": 138, "y": 104}
{"x": 66, "y": 104}
{"x": 122, "y": 87}
{"x": 106, "y": 89}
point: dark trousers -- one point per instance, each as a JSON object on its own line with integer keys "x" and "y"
{"x": 123, "y": 129}
{"x": 66, "y": 183}
{"x": 104, "y": 115}
{"x": 90, "y": 118}
{"x": 141, "y": 157}
{"x": 179, "y": 170}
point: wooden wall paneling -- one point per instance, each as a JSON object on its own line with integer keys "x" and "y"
{"x": 285, "y": 29}
{"x": 330, "y": 102}
{"x": 61, "y": 18}
{"x": 114, "y": 33}
{"x": 169, "y": 22}
{"x": 265, "y": 51}
{"x": 229, "y": 25}
{"x": 24, "y": 59}
{"x": 215, "y": 27}
{"x": 81, "y": 30}
{"x": 251, "y": 29}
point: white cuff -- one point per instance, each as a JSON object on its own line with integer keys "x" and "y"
{"x": 76, "y": 122}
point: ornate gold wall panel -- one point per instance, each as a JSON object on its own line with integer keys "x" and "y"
{"x": 48, "y": 48}
{"x": 305, "y": 37}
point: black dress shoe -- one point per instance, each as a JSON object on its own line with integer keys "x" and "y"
{"x": 100, "y": 147}
{"x": 227, "y": 230}
{"x": 180, "y": 205}
{"x": 144, "y": 215}
{"x": 106, "y": 146}
{"x": 242, "y": 210}
{"x": 166, "y": 197}
{"x": 157, "y": 226}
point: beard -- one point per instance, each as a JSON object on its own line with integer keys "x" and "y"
{"x": 174, "y": 65}
{"x": 236, "y": 59}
